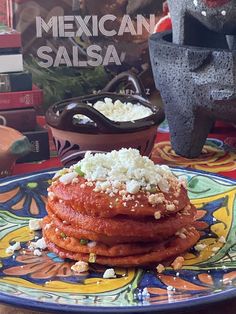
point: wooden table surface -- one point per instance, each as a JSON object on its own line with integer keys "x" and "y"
{"x": 226, "y": 307}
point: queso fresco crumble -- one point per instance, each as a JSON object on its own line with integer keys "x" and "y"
{"x": 125, "y": 173}
{"x": 124, "y": 170}
{"x": 118, "y": 111}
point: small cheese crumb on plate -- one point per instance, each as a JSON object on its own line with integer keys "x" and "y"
{"x": 169, "y": 288}
{"x": 178, "y": 263}
{"x": 37, "y": 252}
{"x": 200, "y": 247}
{"x": 80, "y": 267}
{"x": 222, "y": 239}
{"x": 160, "y": 268}
{"x": 12, "y": 248}
{"x": 109, "y": 273}
{"x": 40, "y": 244}
{"x": 145, "y": 293}
{"x": 35, "y": 224}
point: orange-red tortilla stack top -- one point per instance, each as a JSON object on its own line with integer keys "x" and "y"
{"x": 104, "y": 208}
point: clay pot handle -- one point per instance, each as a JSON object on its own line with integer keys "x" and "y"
{"x": 125, "y": 77}
{"x": 103, "y": 124}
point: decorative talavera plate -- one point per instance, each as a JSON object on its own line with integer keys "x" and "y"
{"x": 47, "y": 283}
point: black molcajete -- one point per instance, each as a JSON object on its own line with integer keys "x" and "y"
{"x": 195, "y": 70}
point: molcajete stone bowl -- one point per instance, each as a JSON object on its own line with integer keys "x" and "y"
{"x": 197, "y": 85}
{"x": 73, "y": 139}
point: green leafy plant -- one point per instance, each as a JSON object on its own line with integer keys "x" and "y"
{"x": 63, "y": 82}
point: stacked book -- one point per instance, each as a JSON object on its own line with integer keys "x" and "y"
{"x": 19, "y": 98}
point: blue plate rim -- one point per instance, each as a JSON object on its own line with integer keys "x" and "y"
{"x": 157, "y": 308}
{"x": 201, "y": 301}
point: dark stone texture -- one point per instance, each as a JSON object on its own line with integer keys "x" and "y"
{"x": 196, "y": 72}
{"x": 203, "y": 22}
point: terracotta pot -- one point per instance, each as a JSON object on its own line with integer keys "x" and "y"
{"x": 13, "y": 145}
{"x": 101, "y": 134}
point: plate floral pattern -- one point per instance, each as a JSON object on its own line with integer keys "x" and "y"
{"x": 217, "y": 156}
{"x": 47, "y": 281}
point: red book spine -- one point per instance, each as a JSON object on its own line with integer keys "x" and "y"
{"x": 3, "y": 12}
{"x": 23, "y": 99}
{"x": 10, "y": 40}
{"x": 20, "y": 1}
{"x": 6, "y": 12}
{"x": 9, "y": 13}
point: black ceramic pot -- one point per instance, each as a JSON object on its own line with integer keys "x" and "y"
{"x": 73, "y": 139}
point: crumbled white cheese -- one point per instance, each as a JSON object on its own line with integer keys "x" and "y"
{"x": 157, "y": 215}
{"x": 200, "y": 247}
{"x": 157, "y": 198}
{"x": 118, "y": 111}
{"x": 102, "y": 186}
{"x": 58, "y": 174}
{"x": 35, "y": 224}
{"x": 37, "y": 252}
{"x": 165, "y": 168}
{"x": 47, "y": 226}
{"x": 160, "y": 268}
{"x": 170, "y": 207}
{"x": 92, "y": 244}
{"x": 222, "y": 239}
{"x": 183, "y": 180}
{"x": 40, "y": 244}
{"x": 125, "y": 168}
{"x": 163, "y": 185}
{"x": 12, "y": 248}
{"x": 169, "y": 288}
{"x": 51, "y": 195}
{"x": 109, "y": 273}
{"x": 182, "y": 236}
{"x": 178, "y": 263}
{"x": 132, "y": 187}
{"x": 75, "y": 180}
{"x": 181, "y": 233}
{"x": 116, "y": 184}
{"x": 145, "y": 293}
{"x": 80, "y": 267}
{"x": 68, "y": 177}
